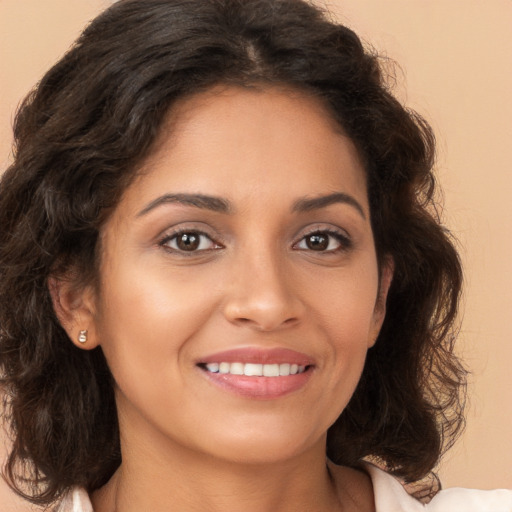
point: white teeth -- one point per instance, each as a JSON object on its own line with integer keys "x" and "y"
{"x": 271, "y": 370}
{"x": 256, "y": 369}
{"x": 236, "y": 369}
{"x": 253, "y": 369}
{"x": 284, "y": 369}
{"x": 224, "y": 367}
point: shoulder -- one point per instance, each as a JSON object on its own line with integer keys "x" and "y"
{"x": 390, "y": 495}
{"x": 76, "y": 500}
{"x": 387, "y": 491}
{"x": 471, "y": 500}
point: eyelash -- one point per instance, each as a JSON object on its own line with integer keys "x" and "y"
{"x": 345, "y": 243}
{"x": 175, "y": 235}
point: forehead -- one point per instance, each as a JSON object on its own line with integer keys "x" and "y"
{"x": 233, "y": 140}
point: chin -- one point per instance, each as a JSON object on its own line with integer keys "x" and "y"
{"x": 267, "y": 446}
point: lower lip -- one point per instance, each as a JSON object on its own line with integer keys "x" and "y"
{"x": 261, "y": 388}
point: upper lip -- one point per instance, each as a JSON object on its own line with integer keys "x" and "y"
{"x": 259, "y": 356}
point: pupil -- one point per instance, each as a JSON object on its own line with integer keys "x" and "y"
{"x": 188, "y": 242}
{"x": 317, "y": 242}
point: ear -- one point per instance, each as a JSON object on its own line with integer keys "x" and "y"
{"x": 75, "y": 310}
{"x": 379, "y": 312}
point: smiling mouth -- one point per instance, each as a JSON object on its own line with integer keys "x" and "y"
{"x": 255, "y": 369}
{"x": 258, "y": 373}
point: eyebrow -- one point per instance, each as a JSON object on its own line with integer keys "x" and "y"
{"x": 216, "y": 204}
{"x": 221, "y": 205}
{"x": 315, "y": 203}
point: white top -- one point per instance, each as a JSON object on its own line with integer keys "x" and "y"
{"x": 390, "y": 496}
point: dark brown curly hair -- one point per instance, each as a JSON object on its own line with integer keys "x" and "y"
{"x": 79, "y": 138}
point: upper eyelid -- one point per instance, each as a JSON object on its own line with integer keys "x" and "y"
{"x": 183, "y": 227}
{"x": 322, "y": 228}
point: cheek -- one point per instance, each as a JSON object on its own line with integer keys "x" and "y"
{"x": 342, "y": 309}
{"x": 147, "y": 318}
{"x": 345, "y": 305}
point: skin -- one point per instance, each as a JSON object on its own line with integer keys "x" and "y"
{"x": 255, "y": 281}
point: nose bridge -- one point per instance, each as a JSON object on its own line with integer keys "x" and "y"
{"x": 262, "y": 291}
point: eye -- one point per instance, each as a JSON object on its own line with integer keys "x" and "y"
{"x": 189, "y": 241}
{"x": 324, "y": 241}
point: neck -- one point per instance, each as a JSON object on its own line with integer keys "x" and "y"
{"x": 161, "y": 475}
{"x": 195, "y": 483}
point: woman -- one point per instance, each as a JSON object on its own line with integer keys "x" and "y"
{"x": 224, "y": 284}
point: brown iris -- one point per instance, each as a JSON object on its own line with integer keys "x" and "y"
{"x": 188, "y": 241}
{"x": 317, "y": 242}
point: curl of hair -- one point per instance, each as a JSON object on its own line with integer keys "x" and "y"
{"x": 79, "y": 139}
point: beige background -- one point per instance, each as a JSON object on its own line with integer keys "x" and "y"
{"x": 456, "y": 69}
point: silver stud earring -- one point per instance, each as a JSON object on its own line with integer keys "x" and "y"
{"x": 82, "y": 336}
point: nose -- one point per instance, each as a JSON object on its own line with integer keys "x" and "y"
{"x": 262, "y": 294}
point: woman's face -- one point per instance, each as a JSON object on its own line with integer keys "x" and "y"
{"x": 244, "y": 246}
